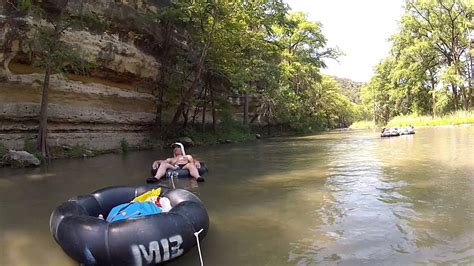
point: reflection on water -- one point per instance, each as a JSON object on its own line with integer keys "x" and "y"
{"x": 345, "y": 197}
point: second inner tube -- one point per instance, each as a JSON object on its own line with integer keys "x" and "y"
{"x": 181, "y": 173}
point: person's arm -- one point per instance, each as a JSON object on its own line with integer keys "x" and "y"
{"x": 193, "y": 161}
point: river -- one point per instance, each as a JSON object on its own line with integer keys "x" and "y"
{"x": 347, "y": 197}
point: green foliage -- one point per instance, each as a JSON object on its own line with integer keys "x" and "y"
{"x": 237, "y": 135}
{"x": 76, "y": 151}
{"x": 258, "y": 48}
{"x": 124, "y": 146}
{"x": 3, "y": 150}
{"x": 24, "y": 5}
{"x": 350, "y": 88}
{"x": 30, "y": 146}
{"x": 48, "y": 51}
{"x": 229, "y": 124}
{"x": 444, "y": 103}
{"x": 429, "y": 69}
{"x": 457, "y": 118}
{"x": 363, "y": 124}
{"x": 92, "y": 22}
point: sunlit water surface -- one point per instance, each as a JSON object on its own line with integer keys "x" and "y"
{"x": 345, "y": 197}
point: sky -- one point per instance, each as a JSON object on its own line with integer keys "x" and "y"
{"x": 360, "y": 28}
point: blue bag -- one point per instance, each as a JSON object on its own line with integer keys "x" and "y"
{"x": 132, "y": 209}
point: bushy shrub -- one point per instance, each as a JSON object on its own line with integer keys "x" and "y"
{"x": 124, "y": 146}
{"x": 30, "y": 146}
{"x": 3, "y": 150}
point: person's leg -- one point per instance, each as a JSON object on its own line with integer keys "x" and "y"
{"x": 193, "y": 171}
{"x": 162, "y": 169}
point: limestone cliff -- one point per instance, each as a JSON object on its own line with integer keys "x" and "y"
{"x": 114, "y": 102}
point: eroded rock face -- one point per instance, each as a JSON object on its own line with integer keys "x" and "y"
{"x": 115, "y": 102}
{"x": 112, "y": 54}
{"x": 105, "y": 51}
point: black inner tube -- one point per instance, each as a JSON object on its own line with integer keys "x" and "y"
{"x": 181, "y": 173}
{"x": 147, "y": 240}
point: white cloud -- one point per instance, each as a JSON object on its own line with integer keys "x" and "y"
{"x": 359, "y": 28}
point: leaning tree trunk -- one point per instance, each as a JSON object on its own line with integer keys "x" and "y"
{"x": 162, "y": 85}
{"x": 246, "y": 108}
{"x": 42, "y": 144}
{"x": 204, "y": 105}
{"x": 185, "y": 117}
{"x": 213, "y": 108}
{"x": 196, "y": 108}
{"x": 188, "y": 95}
{"x": 159, "y": 106}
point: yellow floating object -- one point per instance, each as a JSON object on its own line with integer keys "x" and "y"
{"x": 143, "y": 197}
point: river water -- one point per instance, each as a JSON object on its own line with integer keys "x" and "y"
{"x": 345, "y": 197}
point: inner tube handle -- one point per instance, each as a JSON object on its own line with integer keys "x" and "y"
{"x": 173, "y": 175}
{"x": 196, "y": 234}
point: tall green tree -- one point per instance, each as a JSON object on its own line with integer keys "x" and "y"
{"x": 303, "y": 51}
{"x": 208, "y": 15}
{"x": 53, "y": 55}
{"x": 445, "y": 26}
{"x": 380, "y": 95}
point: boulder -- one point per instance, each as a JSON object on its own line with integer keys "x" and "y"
{"x": 20, "y": 159}
{"x": 186, "y": 141}
{"x": 258, "y": 136}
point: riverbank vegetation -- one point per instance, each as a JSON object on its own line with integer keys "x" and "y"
{"x": 363, "y": 124}
{"x": 427, "y": 78}
{"x": 458, "y": 118}
{"x": 210, "y": 50}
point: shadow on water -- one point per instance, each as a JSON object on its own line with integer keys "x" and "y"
{"x": 341, "y": 197}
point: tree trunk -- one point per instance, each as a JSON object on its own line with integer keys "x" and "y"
{"x": 246, "y": 108}
{"x": 465, "y": 100}
{"x": 204, "y": 105}
{"x": 433, "y": 85}
{"x": 166, "y": 46}
{"x": 196, "y": 108}
{"x": 185, "y": 117}
{"x": 159, "y": 106}
{"x": 455, "y": 96}
{"x": 213, "y": 107}
{"x": 471, "y": 76}
{"x": 42, "y": 144}
{"x": 188, "y": 95}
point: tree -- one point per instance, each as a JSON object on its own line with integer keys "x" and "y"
{"x": 53, "y": 55}
{"x": 445, "y": 25}
{"x": 380, "y": 94}
{"x": 429, "y": 55}
{"x": 208, "y": 15}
